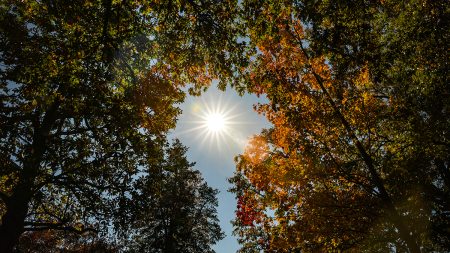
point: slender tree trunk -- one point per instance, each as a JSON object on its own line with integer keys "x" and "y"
{"x": 397, "y": 220}
{"x": 169, "y": 244}
{"x": 404, "y": 232}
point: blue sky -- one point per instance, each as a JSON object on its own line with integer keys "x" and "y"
{"x": 214, "y": 153}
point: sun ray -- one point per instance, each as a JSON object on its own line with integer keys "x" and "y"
{"x": 215, "y": 123}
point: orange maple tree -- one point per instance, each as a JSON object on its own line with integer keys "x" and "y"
{"x": 340, "y": 168}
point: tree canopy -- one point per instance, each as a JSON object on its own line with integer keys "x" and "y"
{"x": 358, "y": 156}
{"x": 172, "y": 208}
{"x": 88, "y": 91}
{"x": 177, "y": 209}
{"x": 357, "y": 159}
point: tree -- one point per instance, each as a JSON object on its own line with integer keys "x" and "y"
{"x": 174, "y": 209}
{"x": 178, "y": 209}
{"x": 358, "y": 155}
{"x": 87, "y": 94}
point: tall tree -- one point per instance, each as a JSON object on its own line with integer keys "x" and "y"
{"x": 177, "y": 208}
{"x": 87, "y": 93}
{"x": 358, "y": 158}
{"x": 174, "y": 209}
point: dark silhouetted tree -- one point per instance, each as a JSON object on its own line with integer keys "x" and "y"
{"x": 87, "y": 93}
{"x": 177, "y": 208}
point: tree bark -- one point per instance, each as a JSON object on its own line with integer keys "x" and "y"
{"x": 13, "y": 220}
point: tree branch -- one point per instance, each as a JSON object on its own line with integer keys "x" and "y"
{"x": 376, "y": 179}
{"x": 40, "y": 226}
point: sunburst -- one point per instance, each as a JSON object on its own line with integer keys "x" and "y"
{"x": 213, "y": 122}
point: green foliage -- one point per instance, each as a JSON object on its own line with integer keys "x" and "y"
{"x": 88, "y": 90}
{"x": 177, "y": 209}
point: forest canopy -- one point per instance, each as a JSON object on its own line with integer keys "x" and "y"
{"x": 357, "y": 158}
{"x": 88, "y": 92}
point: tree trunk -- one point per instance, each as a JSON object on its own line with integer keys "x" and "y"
{"x": 405, "y": 233}
{"x": 13, "y": 220}
{"x": 17, "y": 205}
{"x": 169, "y": 242}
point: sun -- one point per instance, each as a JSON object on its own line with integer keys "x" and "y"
{"x": 215, "y": 122}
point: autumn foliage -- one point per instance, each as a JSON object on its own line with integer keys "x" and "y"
{"x": 357, "y": 158}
